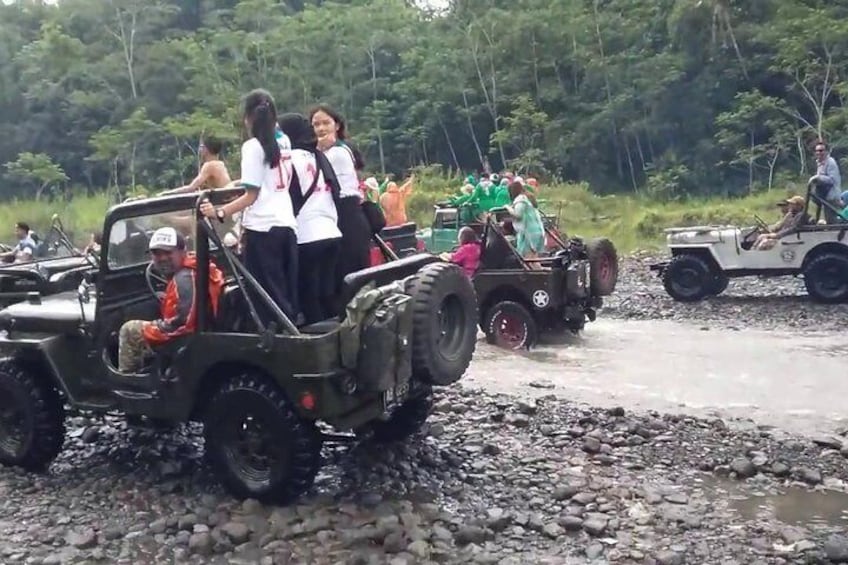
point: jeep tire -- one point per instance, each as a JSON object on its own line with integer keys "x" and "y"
{"x": 444, "y": 323}
{"x": 603, "y": 262}
{"x": 405, "y": 421}
{"x": 510, "y": 325}
{"x": 688, "y": 278}
{"x": 719, "y": 283}
{"x": 256, "y": 443}
{"x": 826, "y": 278}
{"x": 32, "y": 419}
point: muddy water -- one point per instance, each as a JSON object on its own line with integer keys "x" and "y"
{"x": 796, "y": 382}
{"x": 793, "y": 505}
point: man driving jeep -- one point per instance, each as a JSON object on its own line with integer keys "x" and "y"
{"x": 795, "y": 216}
{"x": 177, "y": 308}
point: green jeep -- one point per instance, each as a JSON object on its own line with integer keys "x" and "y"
{"x": 259, "y": 389}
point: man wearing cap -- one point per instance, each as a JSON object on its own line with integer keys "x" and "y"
{"x": 177, "y": 307}
{"x": 795, "y": 217}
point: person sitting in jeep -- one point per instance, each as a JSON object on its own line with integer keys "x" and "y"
{"x": 795, "y": 216}
{"x": 25, "y": 249}
{"x": 178, "y": 317}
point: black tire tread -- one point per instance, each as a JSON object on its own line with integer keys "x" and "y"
{"x": 668, "y": 273}
{"x": 303, "y": 435}
{"x": 532, "y": 326}
{"x": 812, "y": 266}
{"x": 420, "y": 287}
{"x": 594, "y": 247}
{"x": 48, "y": 417}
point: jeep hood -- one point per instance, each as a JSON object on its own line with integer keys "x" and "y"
{"x": 701, "y": 235}
{"x": 59, "y": 313}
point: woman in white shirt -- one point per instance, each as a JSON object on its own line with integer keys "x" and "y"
{"x": 314, "y": 193}
{"x": 268, "y": 223}
{"x": 330, "y": 130}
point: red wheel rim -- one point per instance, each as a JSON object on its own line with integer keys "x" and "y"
{"x": 510, "y": 332}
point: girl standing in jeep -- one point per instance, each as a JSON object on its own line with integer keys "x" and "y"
{"x": 331, "y": 133}
{"x": 268, "y": 223}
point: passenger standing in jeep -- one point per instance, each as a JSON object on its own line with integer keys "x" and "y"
{"x": 177, "y": 308}
{"x": 314, "y": 193}
{"x": 268, "y": 223}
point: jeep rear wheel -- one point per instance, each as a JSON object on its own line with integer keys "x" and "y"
{"x": 444, "y": 323}
{"x": 32, "y": 419}
{"x": 405, "y": 421}
{"x": 688, "y": 278}
{"x": 256, "y": 443}
{"x": 510, "y": 325}
{"x": 826, "y": 278}
{"x": 603, "y": 261}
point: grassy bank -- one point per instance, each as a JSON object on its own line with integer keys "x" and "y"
{"x": 632, "y": 222}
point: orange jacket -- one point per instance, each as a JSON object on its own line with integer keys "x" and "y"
{"x": 178, "y": 305}
{"x": 393, "y": 203}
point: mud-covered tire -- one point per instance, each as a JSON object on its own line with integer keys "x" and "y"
{"x": 279, "y": 461}
{"x": 826, "y": 278}
{"x": 603, "y": 262}
{"x": 510, "y": 325}
{"x": 444, "y": 323}
{"x": 405, "y": 421}
{"x": 688, "y": 278}
{"x": 32, "y": 419}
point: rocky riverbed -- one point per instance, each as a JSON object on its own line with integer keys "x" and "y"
{"x": 490, "y": 479}
{"x": 749, "y": 302}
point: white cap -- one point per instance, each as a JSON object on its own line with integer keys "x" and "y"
{"x": 372, "y": 183}
{"x": 166, "y": 239}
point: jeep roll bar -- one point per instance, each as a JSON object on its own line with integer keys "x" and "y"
{"x": 240, "y": 272}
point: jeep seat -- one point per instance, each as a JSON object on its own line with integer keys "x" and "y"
{"x": 59, "y": 313}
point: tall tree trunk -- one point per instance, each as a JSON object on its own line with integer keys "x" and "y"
{"x": 448, "y": 139}
{"x": 127, "y": 40}
{"x": 471, "y": 129}
{"x": 489, "y": 96}
{"x": 377, "y": 110}
{"x": 608, "y": 88}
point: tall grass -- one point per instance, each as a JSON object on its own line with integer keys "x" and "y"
{"x": 632, "y": 222}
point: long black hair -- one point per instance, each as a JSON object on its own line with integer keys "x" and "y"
{"x": 301, "y": 135}
{"x": 341, "y": 133}
{"x": 259, "y": 107}
{"x": 299, "y": 131}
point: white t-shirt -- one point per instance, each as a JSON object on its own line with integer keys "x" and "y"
{"x": 341, "y": 158}
{"x": 318, "y": 218}
{"x": 273, "y": 207}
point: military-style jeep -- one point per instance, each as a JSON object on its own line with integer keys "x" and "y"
{"x": 520, "y": 298}
{"x": 260, "y": 388}
{"x": 57, "y": 266}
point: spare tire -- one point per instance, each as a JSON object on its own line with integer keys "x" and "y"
{"x": 444, "y": 323}
{"x": 603, "y": 262}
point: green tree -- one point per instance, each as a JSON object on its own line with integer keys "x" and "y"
{"x": 37, "y": 170}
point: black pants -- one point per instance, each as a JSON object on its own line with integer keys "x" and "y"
{"x": 356, "y": 239}
{"x": 317, "y": 261}
{"x": 271, "y": 257}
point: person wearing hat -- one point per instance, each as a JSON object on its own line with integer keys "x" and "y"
{"x": 795, "y": 217}
{"x": 177, "y": 306}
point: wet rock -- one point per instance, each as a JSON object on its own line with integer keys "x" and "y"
{"x": 566, "y": 491}
{"x": 82, "y": 539}
{"x": 552, "y": 530}
{"x": 595, "y": 526}
{"x": 616, "y": 412}
{"x": 594, "y": 550}
{"x": 584, "y": 498}
{"x": 591, "y": 445}
{"x": 828, "y": 441}
{"x": 743, "y": 467}
{"x": 200, "y": 544}
{"x": 571, "y": 523}
{"x": 517, "y": 420}
{"x": 779, "y": 469}
{"x": 237, "y": 532}
{"x": 809, "y": 476}
{"x": 395, "y": 542}
{"x": 669, "y": 558}
{"x": 836, "y": 548}
{"x": 526, "y": 408}
{"x": 420, "y": 549}
{"x": 677, "y": 498}
{"x": 470, "y": 534}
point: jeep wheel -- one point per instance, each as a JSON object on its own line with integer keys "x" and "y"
{"x": 32, "y": 420}
{"x": 509, "y": 325}
{"x": 406, "y": 420}
{"x": 719, "y": 284}
{"x": 444, "y": 323}
{"x": 603, "y": 261}
{"x": 257, "y": 444}
{"x": 826, "y": 278}
{"x": 688, "y": 278}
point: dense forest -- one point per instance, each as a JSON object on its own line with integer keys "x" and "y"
{"x": 664, "y": 97}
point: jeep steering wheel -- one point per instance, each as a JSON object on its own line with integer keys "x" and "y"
{"x": 154, "y": 281}
{"x": 761, "y": 224}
